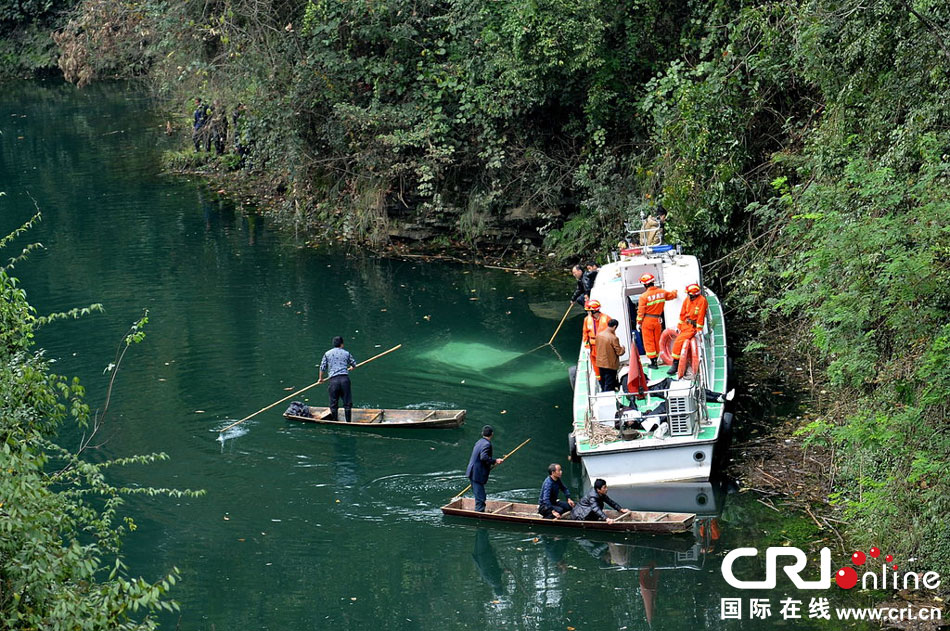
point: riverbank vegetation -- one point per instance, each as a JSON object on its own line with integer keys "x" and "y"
{"x": 801, "y": 147}
{"x": 61, "y": 520}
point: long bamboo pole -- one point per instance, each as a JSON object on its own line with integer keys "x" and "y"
{"x": 569, "y": 307}
{"x": 293, "y": 394}
{"x": 548, "y": 343}
{"x": 505, "y": 457}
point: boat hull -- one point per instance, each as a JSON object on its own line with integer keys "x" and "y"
{"x": 691, "y": 462}
{"x": 387, "y": 419}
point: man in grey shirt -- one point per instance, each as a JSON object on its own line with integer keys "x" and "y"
{"x": 338, "y": 363}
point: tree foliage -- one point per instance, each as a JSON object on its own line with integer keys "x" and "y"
{"x": 60, "y": 521}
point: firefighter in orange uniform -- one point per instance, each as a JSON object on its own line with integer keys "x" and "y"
{"x": 692, "y": 318}
{"x": 649, "y": 314}
{"x": 594, "y": 323}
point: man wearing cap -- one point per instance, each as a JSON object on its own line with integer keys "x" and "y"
{"x": 692, "y": 318}
{"x": 593, "y": 324}
{"x": 650, "y": 315}
{"x": 480, "y": 464}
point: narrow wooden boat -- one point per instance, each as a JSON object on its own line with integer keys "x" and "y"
{"x": 634, "y": 521}
{"x": 386, "y": 419}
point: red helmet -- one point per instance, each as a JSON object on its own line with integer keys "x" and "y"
{"x": 647, "y": 278}
{"x": 693, "y": 289}
{"x": 593, "y": 305}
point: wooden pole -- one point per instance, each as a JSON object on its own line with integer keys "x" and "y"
{"x": 569, "y": 307}
{"x": 548, "y": 343}
{"x": 463, "y": 491}
{"x": 293, "y": 394}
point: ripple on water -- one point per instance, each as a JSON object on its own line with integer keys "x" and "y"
{"x": 234, "y": 432}
{"x": 415, "y": 492}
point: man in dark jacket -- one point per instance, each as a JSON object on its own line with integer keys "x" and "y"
{"x": 480, "y": 464}
{"x": 582, "y": 292}
{"x": 591, "y": 506}
{"x": 548, "y": 504}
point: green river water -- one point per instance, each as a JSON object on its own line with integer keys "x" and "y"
{"x": 304, "y": 527}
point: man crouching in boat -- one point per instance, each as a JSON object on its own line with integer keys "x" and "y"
{"x": 549, "y": 505}
{"x": 591, "y": 506}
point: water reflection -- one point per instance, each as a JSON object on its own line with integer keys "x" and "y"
{"x": 486, "y": 561}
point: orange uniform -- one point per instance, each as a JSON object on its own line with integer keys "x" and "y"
{"x": 591, "y": 328}
{"x": 692, "y": 318}
{"x": 649, "y": 311}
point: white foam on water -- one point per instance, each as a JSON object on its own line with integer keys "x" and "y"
{"x": 432, "y": 405}
{"x": 234, "y": 432}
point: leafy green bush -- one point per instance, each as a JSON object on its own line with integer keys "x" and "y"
{"x": 60, "y": 525}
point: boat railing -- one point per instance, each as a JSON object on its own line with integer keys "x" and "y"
{"x": 683, "y": 412}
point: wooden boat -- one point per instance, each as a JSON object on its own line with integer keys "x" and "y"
{"x": 387, "y": 419}
{"x": 634, "y": 521}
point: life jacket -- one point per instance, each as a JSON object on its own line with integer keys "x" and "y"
{"x": 693, "y": 312}
{"x": 593, "y": 327}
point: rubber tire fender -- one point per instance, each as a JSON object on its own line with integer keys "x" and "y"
{"x": 667, "y": 337}
{"x": 572, "y": 448}
{"x": 572, "y": 375}
{"x": 725, "y": 438}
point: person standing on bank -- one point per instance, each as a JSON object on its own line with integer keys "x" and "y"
{"x": 338, "y": 363}
{"x": 609, "y": 351}
{"x": 549, "y": 505}
{"x": 479, "y": 466}
{"x": 591, "y": 506}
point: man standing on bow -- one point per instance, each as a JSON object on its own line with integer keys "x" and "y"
{"x": 480, "y": 464}
{"x": 338, "y": 363}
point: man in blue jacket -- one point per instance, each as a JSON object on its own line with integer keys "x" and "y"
{"x": 548, "y": 504}
{"x": 480, "y": 464}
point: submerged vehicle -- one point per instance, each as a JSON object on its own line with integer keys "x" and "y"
{"x": 672, "y": 430}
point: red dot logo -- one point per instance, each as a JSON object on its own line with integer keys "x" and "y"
{"x": 858, "y": 558}
{"x": 889, "y": 558}
{"x": 846, "y": 578}
{"x": 875, "y": 552}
